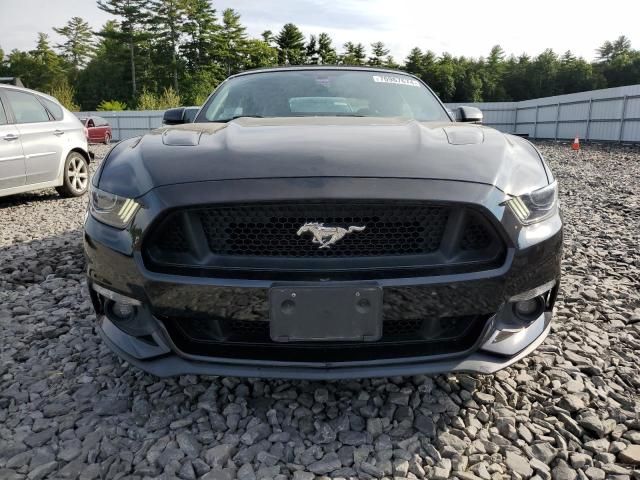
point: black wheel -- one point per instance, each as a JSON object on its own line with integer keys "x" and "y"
{"x": 76, "y": 176}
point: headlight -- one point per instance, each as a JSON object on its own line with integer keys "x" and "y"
{"x": 535, "y": 206}
{"x": 111, "y": 209}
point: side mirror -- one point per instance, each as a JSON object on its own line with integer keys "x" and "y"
{"x": 190, "y": 114}
{"x": 173, "y": 116}
{"x": 469, "y": 114}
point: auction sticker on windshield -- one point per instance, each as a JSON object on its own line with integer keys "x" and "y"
{"x": 396, "y": 80}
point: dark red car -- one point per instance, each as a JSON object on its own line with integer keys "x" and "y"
{"x": 98, "y": 130}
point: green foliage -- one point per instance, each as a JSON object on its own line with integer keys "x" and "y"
{"x": 158, "y": 53}
{"x": 353, "y": 54}
{"x": 167, "y": 99}
{"x": 65, "y": 95}
{"x": 147, "y": 100}
{"x": 78, "y": 47}
{"x": 40, "y": 68}
{"x": 326, "y": 53}
{"x": 231, "y": 42}
{"x": 379, "y": 52}
{"x": 291, "y": 47}
{"x": 134, "y": 17}
{"x": 111, "y": 106}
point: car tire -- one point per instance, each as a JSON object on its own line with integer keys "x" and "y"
{"x": 107, "y": 139}
{"x": 75, "y": 177}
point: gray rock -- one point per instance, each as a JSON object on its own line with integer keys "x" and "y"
{"x": 630, "y": 455}
{"x": 355, "y": 439}
{"x": 189, "y": 444}
{"x": 572, "y": 402}
{"x": 9, "y": 474}
{"x": 372, "y": 470}
{"x": 562, "y": 471}
{"x": 544, "y": 452}
{"x": 447, "y": 439}
{"x": 599, "y": 445}
{"x": 594, "y": 473}
{"x": 40, "y": 438}
{"x": 111, "y": 406}
{"x": 327, "y": 464}
{"x": 518, "y": 464}
{"x": 42, "y": 471}
{"x": 302, "y": 475}
{"x": 246, "y": 472}
{"x": 219, "y": 474}
{"x": 218, "y": 456}
{"x": 425, "y": 425}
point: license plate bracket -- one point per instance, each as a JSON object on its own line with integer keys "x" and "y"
{"x": 324, "y": 314}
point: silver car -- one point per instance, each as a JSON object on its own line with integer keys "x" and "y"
{"x": 42, "y": 145}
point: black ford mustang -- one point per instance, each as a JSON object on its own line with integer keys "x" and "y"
{"x": 323, "y": 223}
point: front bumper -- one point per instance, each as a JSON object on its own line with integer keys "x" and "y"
{"x": 163, "y": 362}
{"x": 532, "y": 261}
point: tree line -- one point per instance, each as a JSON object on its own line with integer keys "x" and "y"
{"x": 156, "y": 54}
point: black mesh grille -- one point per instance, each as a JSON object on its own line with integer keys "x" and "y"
{"x": 476, "y": 236}
{"x": 272, "y": 230}
{"x": 173, "y": 237}
{"x": 251, "y": 339}
{"x": 268, "y": 237}
{"x": 402, "y": 327}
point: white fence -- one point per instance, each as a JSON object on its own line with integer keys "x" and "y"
{"x": 129, "y": 123}
{"x": 611, "y": 114}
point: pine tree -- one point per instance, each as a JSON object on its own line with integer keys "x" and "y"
{"x": 312, "y": 51}
{"x": 3, "y": 67}
{"x": 107, "y": 75}
{"x": 41, "y": 68}
{"x": 413, "y": 63}
{"x": 231, "y": 41}
{"x": 167, "y": 23}
{"x": 291, "y": 49}
{"x": 134, "y": 16}
{"x": 353, "y": 54}
{"x": 326, "y": 52}
{"x": 78, "y": 47}
{"x": 378, "y": 51}
{"x": 268, "y": 37}
{"x": 359, "y": 54}
{"x": 201, "y": 28}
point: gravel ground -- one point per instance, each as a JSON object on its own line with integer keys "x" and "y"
{"x": 70, "y": 409}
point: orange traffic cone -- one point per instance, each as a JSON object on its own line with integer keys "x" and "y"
{"x": 576, "y": 144}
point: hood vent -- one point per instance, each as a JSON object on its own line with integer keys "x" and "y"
{"x": 464, "y": 135}
{"x": 181, "y": 138}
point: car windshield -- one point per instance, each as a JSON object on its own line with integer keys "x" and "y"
{"x": 309, "y": 93}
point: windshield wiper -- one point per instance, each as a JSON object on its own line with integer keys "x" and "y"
{"x": 225, "y": 120}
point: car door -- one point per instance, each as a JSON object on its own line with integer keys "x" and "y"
{"x": 91, "y": 130}
{"x": 12, "y": 169}
{"x": 42, "y": 137}
{"x": 101, "y": 129}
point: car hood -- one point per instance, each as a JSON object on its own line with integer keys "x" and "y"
{"x": 250, "y": 148}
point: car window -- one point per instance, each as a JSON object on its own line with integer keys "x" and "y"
{"x": 53, "y": 107}
{"x": 90, "y": 123}
{"x": 26, "y": 107}
{"x": 102, "y": 122}
{"x": 319, "y": 92}
{"x": 3, "y": 116}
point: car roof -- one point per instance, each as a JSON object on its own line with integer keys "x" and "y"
{"x": 297, "y": 68}
{"x": 6, "y": 86}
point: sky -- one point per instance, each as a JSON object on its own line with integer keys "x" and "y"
{"x": 460, "y": 27}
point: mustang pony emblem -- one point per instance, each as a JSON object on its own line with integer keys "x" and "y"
{"x": 326, "y": 236}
